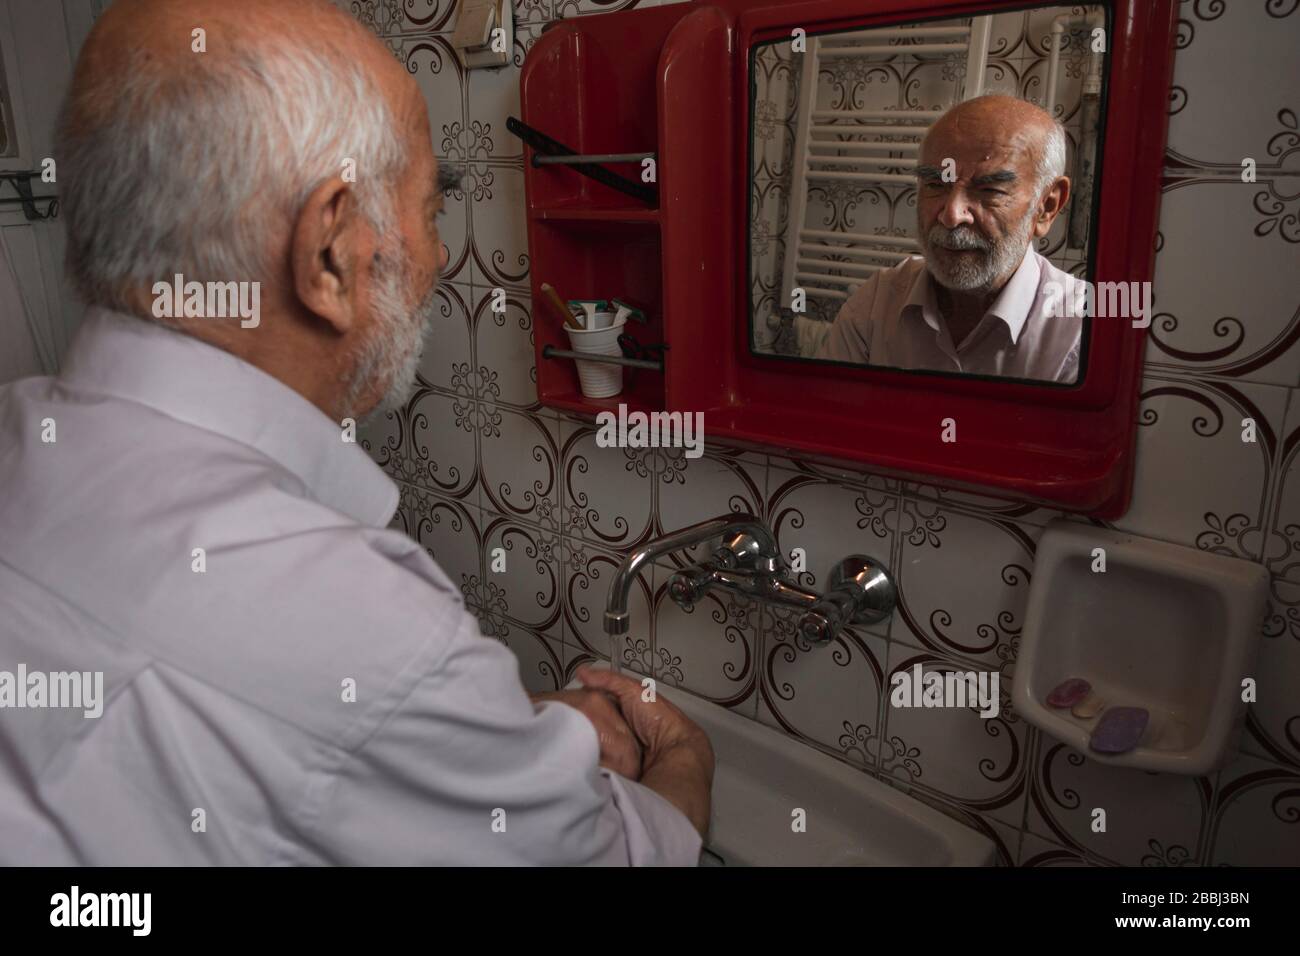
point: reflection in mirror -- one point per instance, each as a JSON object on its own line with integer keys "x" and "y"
{"x": 921, "y": 195}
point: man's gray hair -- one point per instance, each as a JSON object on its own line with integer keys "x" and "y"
{"x": 1051, "y": 158}
{"x": 197, "y": 170}
{"x": 1050, "y": 162}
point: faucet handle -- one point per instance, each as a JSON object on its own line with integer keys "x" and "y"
{"x": 861, "y": 592}
{"x": 743, "y": 550}
{"x": 868, "y": 585}
{"x": 821, "y": 624}
{"x": 687, "y": 586}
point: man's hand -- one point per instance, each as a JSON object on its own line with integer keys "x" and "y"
{"x": 620, "y": 750}
{"x": 678, "y": 763}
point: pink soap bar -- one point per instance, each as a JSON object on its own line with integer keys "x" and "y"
{"x": 1119, "y": 730}
{"x": 1068, "y": 693}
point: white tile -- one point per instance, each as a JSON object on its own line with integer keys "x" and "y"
{"x": 1220, "y": 304}
{"x": 1197, "y": 482}
{"x": 448, "y": 530}
{"x": 1255, "y": 814}
{"x": 1151, "y": 819}
{"x": 505, "y": 358}
{"x": 607, "y": 493}
{"x": 830, "y": 695}
{"x": 443, "y": 452}
{"x": 963, "y": 582}
{"x": 541, "y": 659}
{"x": 1273, "y": 724}
{"x": 525, "y": 563}
{"x": 520, "y": 458}
{"x": 953, "y": 751}
{"x": 1228, "y": 80}
{"x": 1282, "y": 554}
{"x": 446, "y": 359}
{"x": 499, "y": 224}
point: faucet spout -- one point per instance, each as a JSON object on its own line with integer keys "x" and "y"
{"x": 762, "y": 546}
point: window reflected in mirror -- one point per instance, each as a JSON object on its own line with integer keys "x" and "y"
{"x": 922, "y": 195}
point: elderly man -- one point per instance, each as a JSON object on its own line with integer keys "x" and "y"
{"x": 982, "y": 300}
{"x": 185, "y": 520}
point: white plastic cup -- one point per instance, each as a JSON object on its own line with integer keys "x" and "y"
{"x": 598, "y": 379}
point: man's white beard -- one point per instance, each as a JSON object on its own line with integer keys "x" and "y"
{"x": 978, "y": 273}
{"x": 391, "y": 355}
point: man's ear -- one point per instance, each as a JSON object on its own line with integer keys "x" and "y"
{"x": 1050, "y": 206}
{"x": 328, "y": 245}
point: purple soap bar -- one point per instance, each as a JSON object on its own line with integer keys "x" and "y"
{"x": 1068, "y": 693}
{"x": 1119, "y": 730}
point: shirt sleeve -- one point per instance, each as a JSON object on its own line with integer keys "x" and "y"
{"x": 468, "y": 771}
{"x": 849, "y": 338}
{"x": 1070, "y": 366}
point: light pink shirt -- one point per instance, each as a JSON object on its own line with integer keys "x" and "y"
{"x": 224, "y": 691}
{"x": 893, "y": 320}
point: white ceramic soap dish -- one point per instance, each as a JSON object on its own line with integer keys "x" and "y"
{"x": 1167, "y": 628}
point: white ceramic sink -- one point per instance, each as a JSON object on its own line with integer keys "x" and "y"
{"x": 852, "y": 819}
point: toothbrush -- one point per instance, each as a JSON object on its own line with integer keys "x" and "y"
{"x": 548, "y": 290}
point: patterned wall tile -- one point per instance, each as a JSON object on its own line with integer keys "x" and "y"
{"x": 963, "y": 582}
{"x": 388, "y": 17}
{"x": 1035, "y": 851}
{"x": 498, "y": 230}
{"x": 541, "y": 660}
{"x": 520, "y": 455}
{"x": 1282, "y": 553}
{"x": 447, "y": 361}
{"x": 449, "y": 530}
{"x": 524, "y": 564}
{"x": 608, "y": 498}
{"x": 1226, "y": 96}
{"x": 954, "y": 752}
{"x": 1151, "y": 819}
{"x": 442, "y": 452}
{"x": 1273, "y": 722}
{"x": 431, "y": 59}
{"x": 1237, "y": 322}
{"x": 1255, "y": 816}
{"x": 1197, "y": 482}
{"x": 493, "y": 96}
{"x": 504, "y": 356}
{"x": 383, "y": 435}
{"x": 829, "y": 695}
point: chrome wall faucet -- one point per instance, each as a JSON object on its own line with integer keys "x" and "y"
{"x": 748, "y": 562}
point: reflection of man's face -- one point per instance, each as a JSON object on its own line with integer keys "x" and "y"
{"x": 974, "y": 231}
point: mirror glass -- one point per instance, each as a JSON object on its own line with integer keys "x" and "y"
{"x": 922, "y": 195}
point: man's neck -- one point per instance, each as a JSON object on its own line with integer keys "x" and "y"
{"x": 962, "y": 311}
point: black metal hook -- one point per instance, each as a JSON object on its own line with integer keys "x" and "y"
{"x": 22, "y": 183}
{"x": 544, "y": 145}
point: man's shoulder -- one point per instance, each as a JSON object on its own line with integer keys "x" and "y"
{"x": 897, "y": 279}
{"x": 1049, "y": 272}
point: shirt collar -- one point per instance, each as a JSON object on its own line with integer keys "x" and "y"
{"x": 1011, "y": 306}
{"x": 1017, "y": 297}
{"x": 209, "y": 388}
{"x": 921, "y": 298}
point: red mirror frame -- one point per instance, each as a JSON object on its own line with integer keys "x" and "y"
{"x": 1067, "y": 447}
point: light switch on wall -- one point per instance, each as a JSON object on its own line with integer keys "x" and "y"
{"x": 484, "y": 33}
